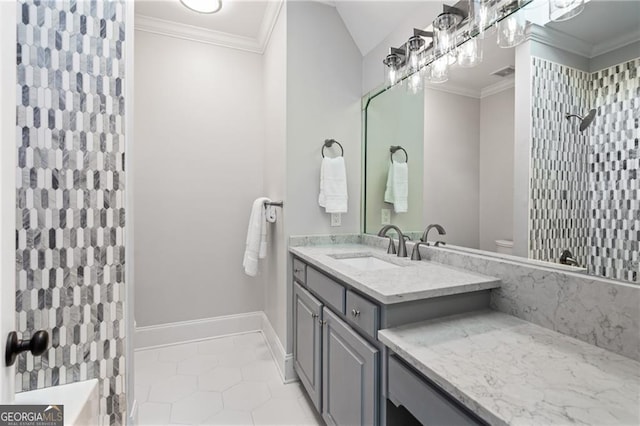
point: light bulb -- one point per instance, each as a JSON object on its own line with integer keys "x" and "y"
{"x": 485, "y": 16}
{"x": 415, "y": 83}
{"x": 511, "y": 31}
{"x": 470, "y": 53}
{"x": 393, "y": 76}
{"x": 439, "y": 70}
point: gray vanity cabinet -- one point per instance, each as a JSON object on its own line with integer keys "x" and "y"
{"x": 307, "y": 352}
{"x": 350, "y": 374}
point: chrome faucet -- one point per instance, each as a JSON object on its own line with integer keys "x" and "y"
{"x": 425, "y": 235}
{"x": 402, "y": 247}
{"x": 566, "y": 258}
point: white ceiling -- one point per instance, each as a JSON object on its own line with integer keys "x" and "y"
{"x": 480, "y": 77}
{"x": 240, "y": 18}
{"x": 370, "y": 22}
{"x": 603, "y": 21}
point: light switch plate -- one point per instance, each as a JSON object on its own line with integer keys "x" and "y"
{"x": 336, "y": 219}
{"x": 385, "y": 217}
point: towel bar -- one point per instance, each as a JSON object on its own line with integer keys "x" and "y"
{"x": 274, "y": 203}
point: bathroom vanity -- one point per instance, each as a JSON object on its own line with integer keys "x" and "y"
{"x": 342, "y": 296}
{"x": 373, "y": 332}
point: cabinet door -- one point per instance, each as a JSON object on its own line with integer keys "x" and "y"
{"x": 307, "y": 350}
{"x": 350, "y": 383}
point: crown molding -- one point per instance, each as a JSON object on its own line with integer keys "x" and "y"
{"x": 271, "y": 14}
{"x": 616, "y": 43}
{"x": 560, "y": 40}
{"x": 498, "y": 87}
{"x": 557, "y": 39}
{"x": 455, "y": 90}
{"x": 182, "y": 31}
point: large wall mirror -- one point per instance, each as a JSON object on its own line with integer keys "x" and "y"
{"x": 533, "y": 152}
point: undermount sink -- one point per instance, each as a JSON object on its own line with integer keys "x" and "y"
{"x": 367, "y": 263}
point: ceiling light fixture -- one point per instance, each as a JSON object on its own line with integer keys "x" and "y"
{"x": 203, "y": 6}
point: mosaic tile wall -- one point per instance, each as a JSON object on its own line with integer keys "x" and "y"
{"x": 585, "y": 189}
{"x": 614, "y": 180}
{"x": 70, "y": 195}
{"x": 559, "y": 202}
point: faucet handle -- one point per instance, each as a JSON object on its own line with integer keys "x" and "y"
{"x": 440, "y": 243}
{"x": 406, "y": 237}
{"x": 415, "y": 254}
{"x": 392, "y": 247}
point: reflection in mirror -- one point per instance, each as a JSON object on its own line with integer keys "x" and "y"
{"x": 533, "y": 152}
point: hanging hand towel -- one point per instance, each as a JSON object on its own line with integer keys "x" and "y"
{"x": 256, "y": 246}
{"x": 333, "y": 185}
{"x": 397, "y": 191}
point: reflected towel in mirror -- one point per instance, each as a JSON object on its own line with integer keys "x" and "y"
{"x": 397, "y": 191}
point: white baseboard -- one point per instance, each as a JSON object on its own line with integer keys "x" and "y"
{"x": 283, "y": 360}
{"x": 188, "y": 331}
{"x": 208, "y": 328}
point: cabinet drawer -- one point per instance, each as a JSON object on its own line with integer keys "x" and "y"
{"x": 362, "y": 313}
{"x": 430, "y": 405}
{"x": 299, "y": 271}
{"x": 328, "y": 290}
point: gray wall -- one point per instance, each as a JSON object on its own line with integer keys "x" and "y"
{"x": 199, "y": 158}
{"x": 496, "y": 168}
{"x": 322, "y": 101}
{"x": 274, "y": 65}
{"x": 451, "y": 166}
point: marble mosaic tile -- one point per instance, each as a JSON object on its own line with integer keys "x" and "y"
{"x": 559, "y": 183}
{"x": 585, "y": 190}
{"x": 614, "y": 169}
{"x": 70, "y": 196}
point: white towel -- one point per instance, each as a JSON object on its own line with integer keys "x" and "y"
{"x": 256, "y": 247}
{"x": 397, "y": 191}
{"x": 333, "y": 185}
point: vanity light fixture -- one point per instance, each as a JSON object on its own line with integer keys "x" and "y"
{"x": 511, "y": 30}
{"x": 203, "y": 6}
{"x": 394, "y": 62}
{"x": 469, "y": 53}
{"x": 485, "y": 13}
{"x": 444, "y": 32}
{"x": 414, "y": 44}
{"x": 454, "y": 39}
{"x": 439, "y": 70}
{"x": 561, "y": 10}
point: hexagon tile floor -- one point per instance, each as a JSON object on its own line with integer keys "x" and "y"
{"x": 225, "y": 381}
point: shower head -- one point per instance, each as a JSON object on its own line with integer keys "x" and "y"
{"x": 584, "y": 121}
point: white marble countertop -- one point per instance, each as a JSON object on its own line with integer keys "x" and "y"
{"x": 512, "y": 372}
{"x": 413, "y": 280}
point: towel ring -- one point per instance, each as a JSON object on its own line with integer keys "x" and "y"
{"x": 395, "y": 148}
{"x": 328, "y": 143}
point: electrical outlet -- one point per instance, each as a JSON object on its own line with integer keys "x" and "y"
{"x": 336, "y": 219}
{"x": 385, "y": 217}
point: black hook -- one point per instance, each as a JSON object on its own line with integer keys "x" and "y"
{"x": 328, "y": 143}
